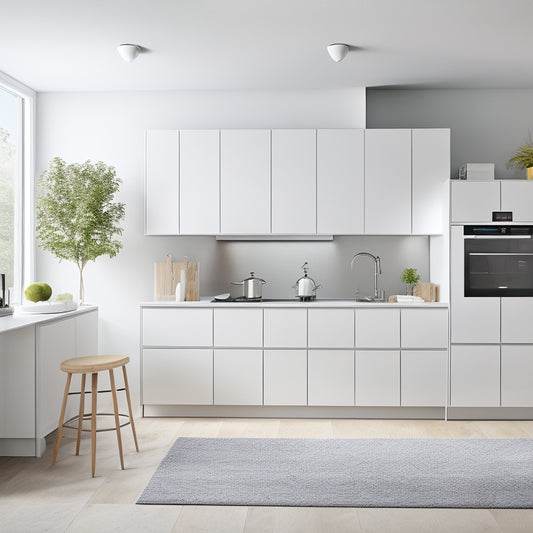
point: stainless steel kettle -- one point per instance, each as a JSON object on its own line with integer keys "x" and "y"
{"x": 252, "y": 287}
{"x": 305, "y": 286}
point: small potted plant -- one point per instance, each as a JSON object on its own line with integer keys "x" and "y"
{"x": 523, "y": 157}
{"x": 410, "y": 277}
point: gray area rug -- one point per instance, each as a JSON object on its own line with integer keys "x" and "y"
{"x": 467, "y": 473}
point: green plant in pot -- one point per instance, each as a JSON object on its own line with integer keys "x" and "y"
{"x": 523, "y": 157}
{"x": 77, "y": 219}
{"x": 410, "y": 277}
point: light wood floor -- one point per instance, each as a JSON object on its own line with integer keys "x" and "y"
{"x": 35, "y": 497}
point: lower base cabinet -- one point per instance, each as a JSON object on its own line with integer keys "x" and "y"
{"x": 475, "y": 376}
{"x": 517, "y": 376}
{"x": 424, "y": 377}
{"x": 331, "y": 377}
{"x": 177, "y": 376}
{"x": 285, "y": 377}
{"x": 377, "y": 377}
{"x": 238, "y": 377}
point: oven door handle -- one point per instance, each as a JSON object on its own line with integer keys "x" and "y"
{"x": 497, "y": 237}
{"x": 500, "y": 253}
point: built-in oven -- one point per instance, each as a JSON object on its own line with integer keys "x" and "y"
{"x": 498, "y": 260}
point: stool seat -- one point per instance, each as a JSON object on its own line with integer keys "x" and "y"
{"x": 93, "y": 363}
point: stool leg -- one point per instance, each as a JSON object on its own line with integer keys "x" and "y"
{"x": 117, "y": 421}
{"x": 94, "y": 392}
{"x": 132, "y": 423}
{"x": 82, "y": 411}
{"x": 61, "y": 419}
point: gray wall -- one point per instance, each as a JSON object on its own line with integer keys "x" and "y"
{"x": 486, "y": 125}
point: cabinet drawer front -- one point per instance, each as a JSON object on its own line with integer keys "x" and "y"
{"x": 177, "y": 377}
{"x": 238, "y": 377}
{"x": 474, "y": 201}
{"x": 377, "y": 377}
{"x": 377, "y": 328}
{"x": 330, "y": 377}
{"x": 177, "y": 327}
{"x": 285, "y": 375}
{"x": 425, "y": 328}
{"x": 424, "y": 377}
{"x": 239, "y": 327}
{"x": 517, "y": 376}
{"x": 285, "y": 328}
{"x": 331, "y": 328}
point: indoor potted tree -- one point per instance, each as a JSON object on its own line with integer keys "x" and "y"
{"x": 410, "y": 277}
{"x": 77, "y": 219}
{"x": 523, "y": 157}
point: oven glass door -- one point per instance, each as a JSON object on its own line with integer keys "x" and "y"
{"x": 499, "y": 266}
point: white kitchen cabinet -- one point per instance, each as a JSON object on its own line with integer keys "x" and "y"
{"x": 388, "y": 182}
{"x": 516, "y": 320}
{"x": 86, "y": 334}
{"x": 294, "y": 181}
{"x": 331, "y": 328}
{"x": 177, "y": 376}
{"x": 474, "y": 201}
{"x": 199, "y": 182}
{"x": 430, "y": 169}
{"x": 424, "y": 378}
{"x": 424, "y": 328}
{"x": 517, "y": 376}
{"x": 238, "y": 328}
{"x": 162, "y": 182}
{"x": 473, "y": 320}
{"x": 340, "y": 182}
{"x": 475, "y": 376}
{"x": 285, "y": 377}
{"x": 285, "y": 328}
{"x": 377, "y": 328}
{"x": 245, "y": 182}
{"x": 17, "y": 388}
{"x": 238, "y": 377}
{"x": 517, "y": 196}
{"x": 377, "y": 377}
{"x": 330, "y": 377}
{"x": 177, "y": 327}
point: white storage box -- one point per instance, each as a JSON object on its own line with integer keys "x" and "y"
{"x": 476, "y": 171}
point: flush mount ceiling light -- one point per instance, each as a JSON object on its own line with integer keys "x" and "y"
{"x": 337, "y": 51}
{"x": 128, "y": 52}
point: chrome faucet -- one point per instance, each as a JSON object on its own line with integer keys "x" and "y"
{"x": 377, "y": 270}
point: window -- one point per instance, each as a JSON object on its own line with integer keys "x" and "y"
{"x": 16, "y": 167}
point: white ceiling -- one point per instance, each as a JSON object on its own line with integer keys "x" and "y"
{"x": 70, "y": 45}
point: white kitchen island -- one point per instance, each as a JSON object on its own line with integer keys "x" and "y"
{"x": 32, "y": 347}
{"x": 334, "y": 358}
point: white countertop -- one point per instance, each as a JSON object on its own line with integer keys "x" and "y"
{"x": 335, "y": 303}
{"x": 22, "y": 320}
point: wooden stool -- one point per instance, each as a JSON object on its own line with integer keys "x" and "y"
{"x": 93, "y": 365}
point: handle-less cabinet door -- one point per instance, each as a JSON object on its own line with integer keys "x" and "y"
{"x": 431, "y": 168}
{"x": 340, "y": 182}
{"x": 177, "y": 377}
{"x": 377, "y": 377}
{"x": 238, "y": 377}
{"x": 517, "y": 196}
{"x": 388, "y": 182}
{"x": 199, "y": 182}
{"x": 517, "y": 376}
{"x": 425, "y": 328}
{"x": 330, "y": 377}
{"x": 285, "y": 377}
{"x": 236, "y": 328}
{"x": 516, "y": 320}
{"x": 162, "y": 182}
{"x": 331, "y": 328}
{"x": 294, "y": 181}
{"x": 474, "y": 201}
{"x": 245, "y": 182}
{"x": 377, "y": 328}
{"x": 285, "y": 328}
{"x": 424, "y": 375}
{"x": 475, "y": 376}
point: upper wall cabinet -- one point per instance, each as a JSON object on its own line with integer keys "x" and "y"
{"x": 162, "y": 183}
{"x": 517, "y": 196}
{"x": 340, "y": 182}
{"x": 294, "y": 182}
{"x": 199, "y": 182}
{"x": 245, "y": 182}
{"x": 388, "y": 182}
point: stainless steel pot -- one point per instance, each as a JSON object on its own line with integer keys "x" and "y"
{"x": 252, "y": 287}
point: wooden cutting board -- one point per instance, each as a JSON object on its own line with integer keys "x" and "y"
{"x": 167, "y": 275}
{"x": 429, "y": 292}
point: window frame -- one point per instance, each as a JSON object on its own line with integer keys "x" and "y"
{"x": 25, "y": 199}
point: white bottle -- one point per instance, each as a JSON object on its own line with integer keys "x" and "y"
{"x": 179, "y": 293}
{"x": 183, "y": 282}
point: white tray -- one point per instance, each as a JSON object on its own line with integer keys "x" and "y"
{"x": 48, "y": 307}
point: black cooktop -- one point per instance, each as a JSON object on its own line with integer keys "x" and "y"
{"x": 250, "y": 300}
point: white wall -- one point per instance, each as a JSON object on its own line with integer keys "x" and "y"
{"x": 110, "y": 127}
